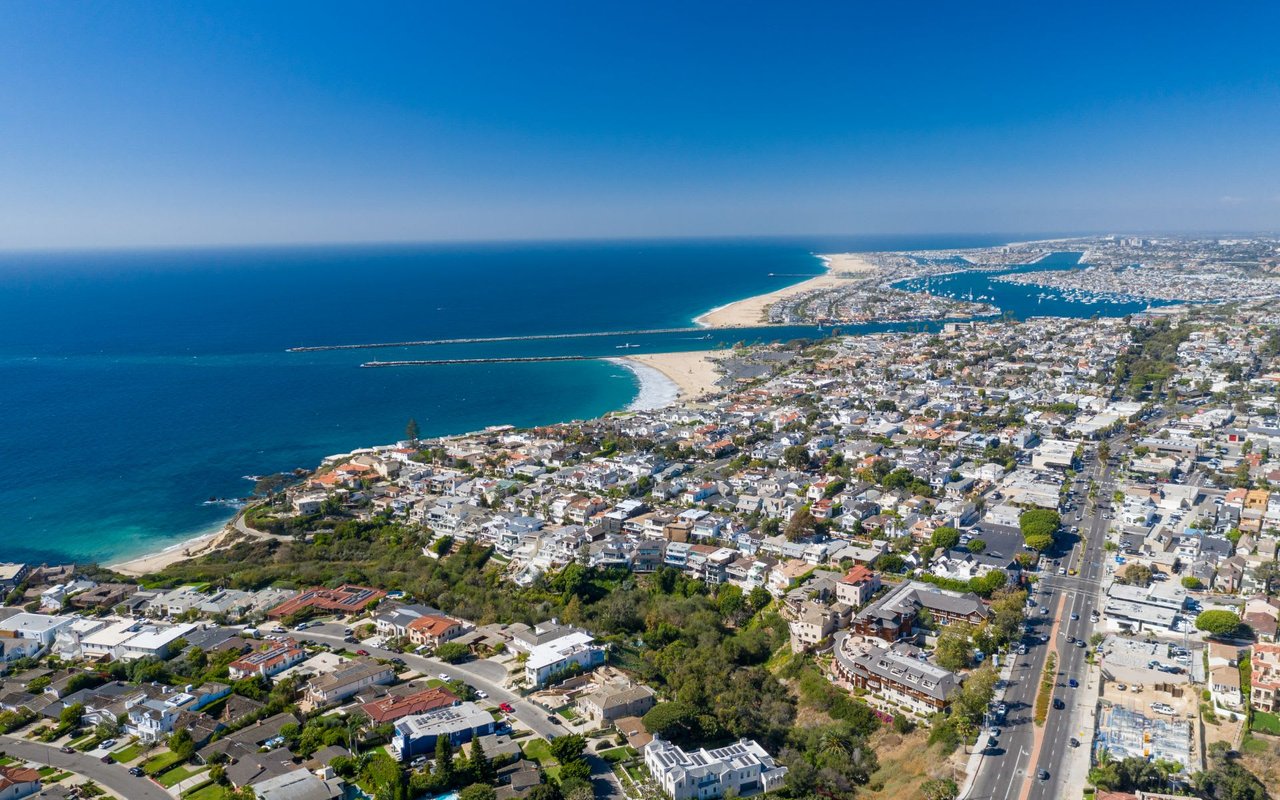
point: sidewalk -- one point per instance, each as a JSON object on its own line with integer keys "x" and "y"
{"x": 976, "y": 757}
{"x": 1084, "y": 725}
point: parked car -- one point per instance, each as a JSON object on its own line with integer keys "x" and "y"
{"x": 136, "y": 772}
{"x": 482, "y": 694}
{"x": 1162, "y": 708}
{"x": 362, "y": 652}
{"x": 108, "y": 743}
{"x": 506, "y": 708}
{"x": 553, "y": 719}
{"x": 66, "y": 749}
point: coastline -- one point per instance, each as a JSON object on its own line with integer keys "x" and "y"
{"x": 212, "y": 540}
{"x": 677, "y": 377}
{"x": 750, "y": 311}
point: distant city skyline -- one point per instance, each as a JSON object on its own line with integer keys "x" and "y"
{"x": 153, "y": 124}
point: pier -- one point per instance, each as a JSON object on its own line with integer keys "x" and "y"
{"x": 488, "y": 339}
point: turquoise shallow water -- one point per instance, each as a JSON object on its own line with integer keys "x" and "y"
{"x": 135, "y": 385}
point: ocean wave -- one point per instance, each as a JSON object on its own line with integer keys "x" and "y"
{"x": 656, "y": 389}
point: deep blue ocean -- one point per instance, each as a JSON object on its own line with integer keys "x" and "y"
{"x": 135, "y": 385}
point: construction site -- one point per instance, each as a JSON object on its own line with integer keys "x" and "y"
{"x": 1125, "y": 733}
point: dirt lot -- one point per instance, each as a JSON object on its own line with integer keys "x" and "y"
{"x": 908, "y": 761}
{"x": 1188, "y": 703}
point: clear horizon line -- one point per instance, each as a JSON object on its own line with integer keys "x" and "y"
{"x": 409, "y": 242}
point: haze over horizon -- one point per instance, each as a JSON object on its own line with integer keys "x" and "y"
{"x": 153, "y": 124}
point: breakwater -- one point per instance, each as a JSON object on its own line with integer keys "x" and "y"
{"x": 441, "y": 362}
{"x": 487, "y": 339}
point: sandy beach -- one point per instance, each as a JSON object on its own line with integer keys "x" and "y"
{"x": 751, "y": 311}
{"x": 694, "y": 374}
{"x": 203, "y": 544}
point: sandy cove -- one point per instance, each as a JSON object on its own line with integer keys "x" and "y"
{"x": 751, "y": 311}
{"x": 234, "y": 531}
{"x": 694, "y": 373}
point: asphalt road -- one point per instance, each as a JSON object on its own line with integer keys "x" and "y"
{"x": 480, "y": 674}
{"x": 1005, "y": 769}
{"x": 112, "y": 776}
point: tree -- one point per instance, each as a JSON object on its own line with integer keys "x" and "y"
{"x": 674, "y": 721}
{"x": 181, "y": 743}
{"x": 1268, "y": 573}
{"x": 939, "y": 789}
{"x": 411, "y": 430}
{"x": 1192, "y": 583}
{"x": 1136, "y": 574}
{"x": 1217, "y": 622}
{"x": 945, "y": 537}
{"x": 444, "y": 757}
{"x": 977, "y": 545}
{"x": 478, "y": 791}
{"x": 566, "y": 749}
{"x": 480, "y": 763}
{"x": 954, "y": 650}
{"x": 544, "y": 791}
{"x": 796, "y": 456}
{"x": 452, "y": 652}
{"x": 801, "y": 525}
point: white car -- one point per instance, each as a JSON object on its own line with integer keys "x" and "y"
{"x": 1162, "y": 708}
{"x": 444, "y": 676}
{"x": 481, "y": 693}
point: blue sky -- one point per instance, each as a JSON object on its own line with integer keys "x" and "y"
{"x": 130, "y": 123}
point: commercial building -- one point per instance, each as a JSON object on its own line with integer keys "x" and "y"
{"x": 897, "y": 674}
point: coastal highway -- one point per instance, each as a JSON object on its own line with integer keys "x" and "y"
{"x": 1006, "y": 771}
{"x": 1080, "y": 595}
{"x": 113, "y": 776}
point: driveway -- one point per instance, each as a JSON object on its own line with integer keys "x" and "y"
{"x": 113, "y": 776}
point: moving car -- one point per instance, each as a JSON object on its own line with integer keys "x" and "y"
{"x": 444, "y": 676}
{"x": 1074, "y": 616}
{"x": 1073, "y": 683}
{"x": 1043, "y": 774}
{"x": 1058, "y": 704}
{"x": 992, "y": 741}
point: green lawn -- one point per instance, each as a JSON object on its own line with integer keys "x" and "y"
{"x": 209, "y": 791}
{"x": 636, "y": 772}
{"x": 616, "y": 754}
{"x": 1253, "y": 746}
{"x": 127, "y": 754}
{"x": 157, "y": 764}
{"x": 176, "y": 775}
{"x": 568, "y": 713}
{"x": 1266, "y": 723}
{"x": 538, "y": 750}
